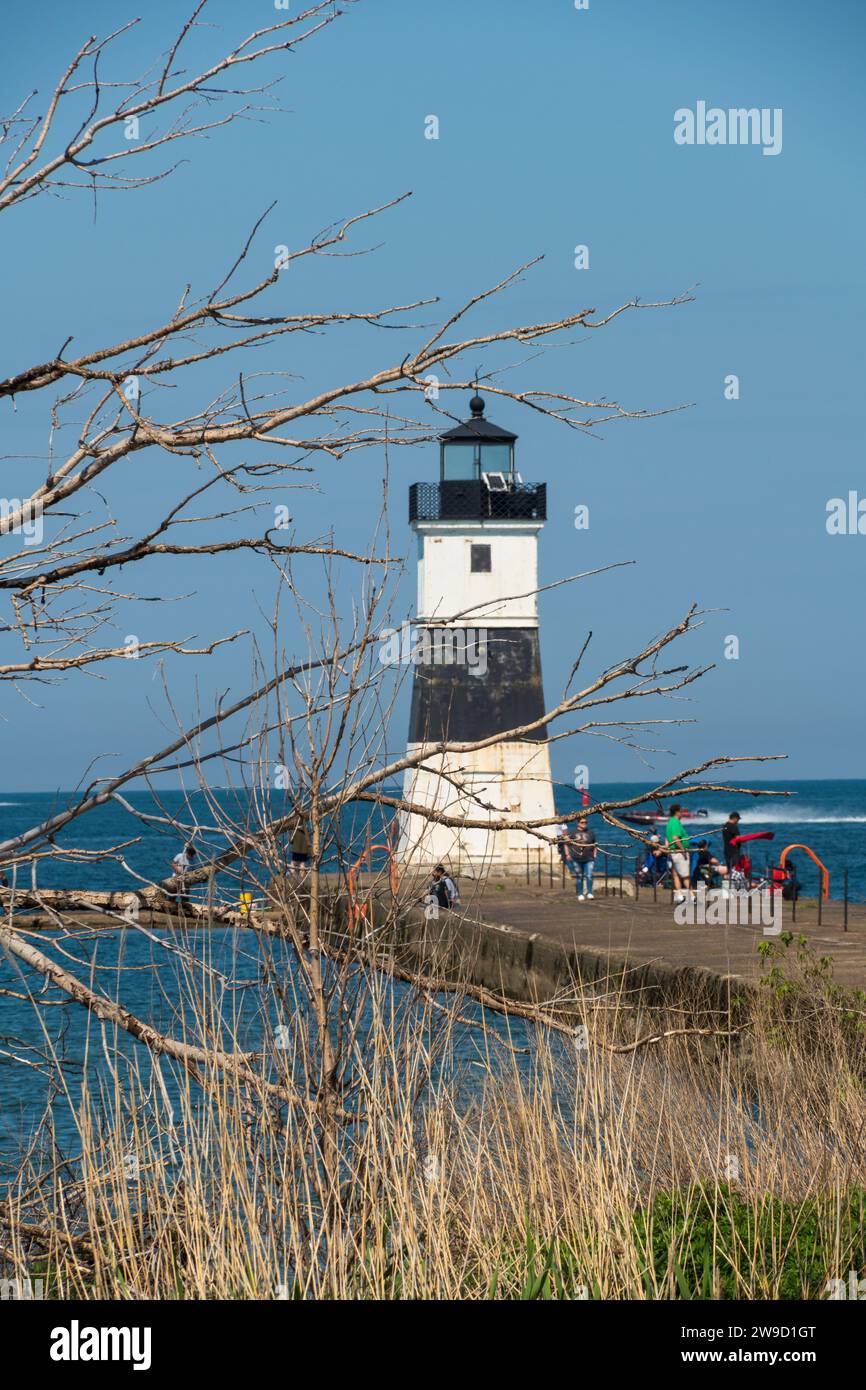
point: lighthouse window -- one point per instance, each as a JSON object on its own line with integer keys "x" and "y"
{"x": 460, "y": 462}
{"x": 479, "y": 562}
{"x": 498, "y": 458}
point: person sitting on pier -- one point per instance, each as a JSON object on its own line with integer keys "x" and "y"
{"x": 583, "y": 852}
{"x": 741, "y": 873}
{"x": 656, "y": 863}
{"x": 182, "y": 862}
{"x": 784, "y": 880}
{"x": 443, "y": 888}
{"x": 706, "y": 868}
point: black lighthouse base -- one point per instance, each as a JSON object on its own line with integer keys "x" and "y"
{"x": 471, "y": 683}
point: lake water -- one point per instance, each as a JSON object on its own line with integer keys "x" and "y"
{"x": 146, "y": 975}
{"x": 829, "y": 816}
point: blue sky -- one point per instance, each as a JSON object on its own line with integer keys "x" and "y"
{"x": 556, "y": 129}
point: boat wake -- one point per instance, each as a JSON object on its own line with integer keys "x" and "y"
{"x": 790, "y": 817}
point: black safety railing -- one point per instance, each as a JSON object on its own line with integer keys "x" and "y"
{"x": 617, "y": 866}
{"x": 547, "y": 866}
{"x": 472, "y": 500}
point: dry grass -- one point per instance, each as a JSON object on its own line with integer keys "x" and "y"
{"x": 684, "y": 1168}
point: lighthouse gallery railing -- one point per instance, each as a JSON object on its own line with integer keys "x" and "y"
{"x": 471, "y": 500}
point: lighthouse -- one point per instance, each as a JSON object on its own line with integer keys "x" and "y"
{"x": 476, "y": 657}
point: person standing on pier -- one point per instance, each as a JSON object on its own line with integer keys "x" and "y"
{"x": 583, "y": 849}
{"x": 678, "y": 848}
{"x": 730, "y": 830}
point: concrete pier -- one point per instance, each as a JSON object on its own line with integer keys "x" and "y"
{"x": 523, "y": 940}
{"x": 644, "y": 930}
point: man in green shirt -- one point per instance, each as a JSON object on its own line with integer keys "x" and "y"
{"x": 678, "y": 848}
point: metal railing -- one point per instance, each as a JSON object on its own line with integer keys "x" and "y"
{"x": 610, "y": 874}
{"x": 545, "y": 867}
{"x": 471, "y": 500}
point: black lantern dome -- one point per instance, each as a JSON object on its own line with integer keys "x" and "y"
{"x": 478, "y": 481}
{"x": 476, "y": 447}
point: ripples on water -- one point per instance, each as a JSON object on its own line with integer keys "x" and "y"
{"x": 148, "y": 978}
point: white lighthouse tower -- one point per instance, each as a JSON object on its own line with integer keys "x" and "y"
{"x": 476, "y": 653}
